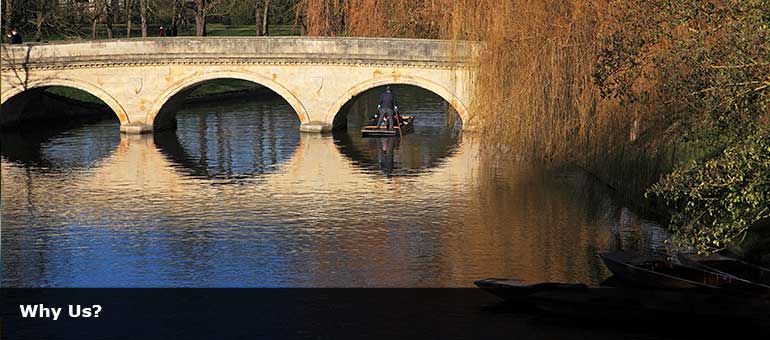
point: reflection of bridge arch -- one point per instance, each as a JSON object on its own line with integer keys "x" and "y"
{"x": 161, "y": 118}
{"x": 169, "y": 144}
{"x": 423, "y": 83}
{"x": 81, "y": 85}
{"x": 48, "y": 150}
{"x": 415, "y": 155}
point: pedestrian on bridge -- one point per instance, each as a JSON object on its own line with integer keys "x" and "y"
{"x": 15, "y": 36}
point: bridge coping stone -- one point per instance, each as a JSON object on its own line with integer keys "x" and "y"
{"x": 236, "y": 49}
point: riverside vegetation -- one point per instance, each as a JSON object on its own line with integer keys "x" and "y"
{"x": 663, "y": 100}
{"x": 673, "y": 92}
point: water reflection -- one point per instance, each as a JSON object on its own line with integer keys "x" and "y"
{"x": 60, "y": 148}
{"x": 140, "y": 211}
{"x": 235, "y": 140}
{"x": 411, "y": 155}
{"x": 436, "y": 136}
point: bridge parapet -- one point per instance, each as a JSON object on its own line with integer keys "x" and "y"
{"x": 377, "y": 51}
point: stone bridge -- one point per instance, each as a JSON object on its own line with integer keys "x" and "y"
{"x": 145, "y": 80}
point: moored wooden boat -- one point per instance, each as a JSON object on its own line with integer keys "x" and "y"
{"x": 515, "y": 290}
{"x": 372, "y": 130}
{"x": 730, "y": 266}
{"x": 648, "y": 271}
{"x": 658, "y": 272}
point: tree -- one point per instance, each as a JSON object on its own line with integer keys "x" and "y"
{"x": 261, "y": 9}
{"x": 176, "y": 16}
{"x": 701, "y": 69}
{"x": 264, "y": 17}
{"x": 111, "y": 10}
{"x": 143, "y": 4}
{"x": 204, "y": 8}
{"x": 172, "y": 14}
{"x": 94, "y": 11}
{"x": 714, "y": 203}
{"x": 129, "y": 6}
{"x": 8, "y": 15}
{"x": 42, "y": 13}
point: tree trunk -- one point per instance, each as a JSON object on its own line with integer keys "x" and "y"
{"x": 257, "y": 17}
{"x": 110, "y": 16}
{"x": 128, "y": 18}
{"x": 200, "y": 25}
{"x": 174, "y": 18}
{"x": 8, "y": 15}
{"x": 143, "y": 15}
{"x": 39, "y": 21}
{"x": 200, "y": 18}
{"x": 94, "y": 20}
{"x": 264, "y": 18}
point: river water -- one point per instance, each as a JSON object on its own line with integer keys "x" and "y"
{"x": 236, "y": 196}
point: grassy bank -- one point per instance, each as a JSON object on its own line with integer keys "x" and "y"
{"x": 216, "y": 89}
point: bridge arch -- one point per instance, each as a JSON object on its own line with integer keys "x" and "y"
{"x": 84, "y": 86}
{"x": 196, "y": 79}
{"x": 449, "y": 96}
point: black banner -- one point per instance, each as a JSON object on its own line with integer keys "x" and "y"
{"x": 301, "y": 313}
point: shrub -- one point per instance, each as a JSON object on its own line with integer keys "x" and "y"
{"x": 715, "y": 202}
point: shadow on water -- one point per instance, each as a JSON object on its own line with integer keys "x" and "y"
{"x": 437, "y": 134}
{"x": 234, "y": 139}
{"x": 43, "y": 129}
{"x": 75, "y": 144}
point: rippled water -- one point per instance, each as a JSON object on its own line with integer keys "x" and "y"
{"x": 238, "y": 197}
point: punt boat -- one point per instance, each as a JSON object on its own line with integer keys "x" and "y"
{"x": 515, "y": 290}
{"x": 405, "y": 125}
{"x": 659, "y": 272}
{"x": 729, "y": 266}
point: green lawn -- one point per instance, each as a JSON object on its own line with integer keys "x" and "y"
{"x": 213, "y": 87}
{"x": 221, "y": 86}
{"x": 74, "y": 94}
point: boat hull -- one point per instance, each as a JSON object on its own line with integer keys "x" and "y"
{"x": 372, "y": 130}
{"x": 514, "y": 290}
{"x": 636, "y": 270}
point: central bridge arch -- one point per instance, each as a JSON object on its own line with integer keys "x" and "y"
{"x": 426, "y": 84}
{"x": 160, "y": 118}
